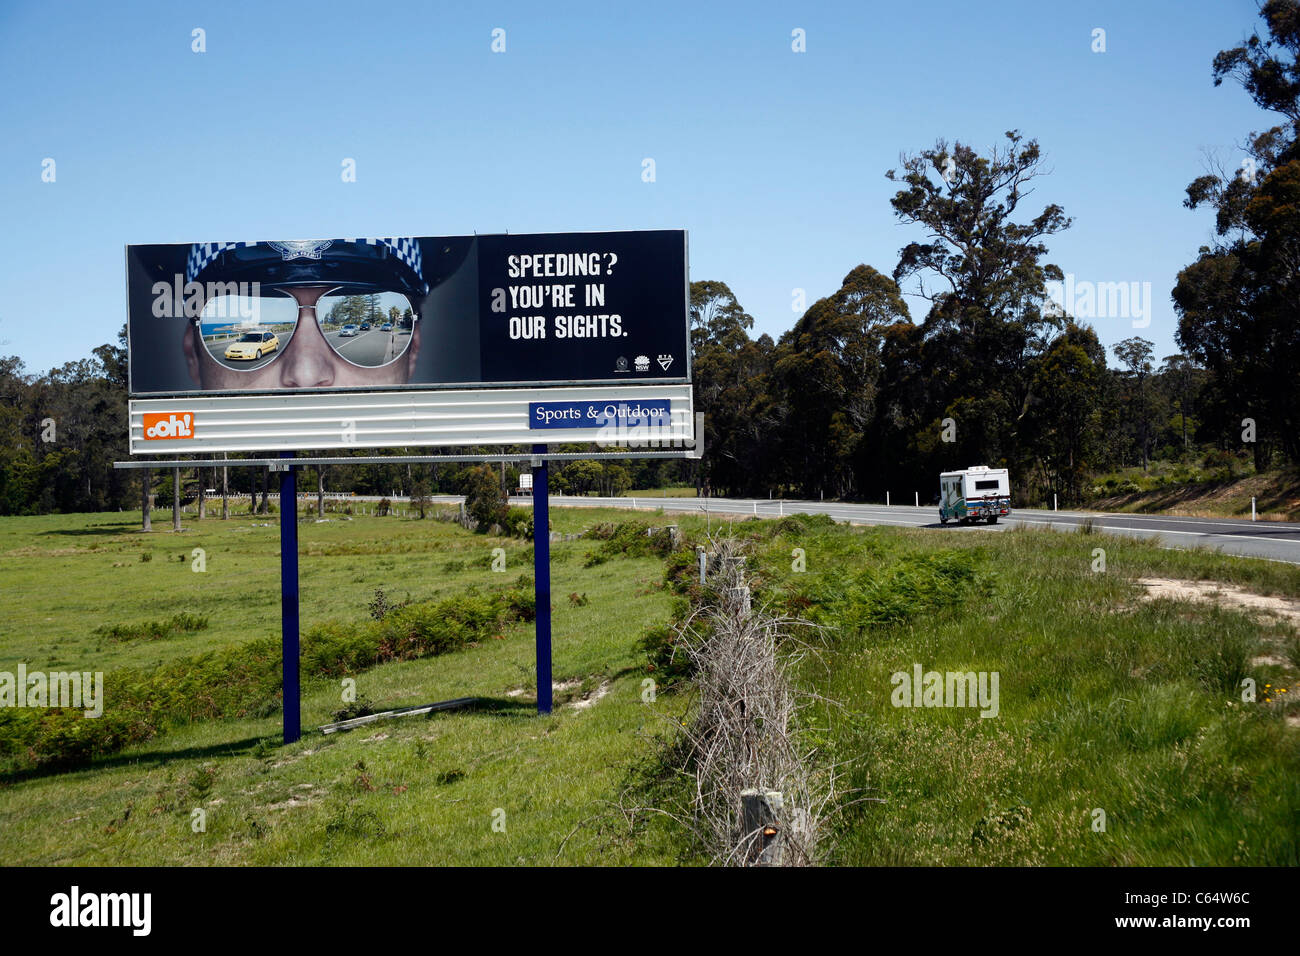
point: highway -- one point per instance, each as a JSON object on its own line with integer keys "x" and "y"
{"x": 1272, "y": 540}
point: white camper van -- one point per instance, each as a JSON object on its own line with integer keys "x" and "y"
{"x": 975, "y": 493}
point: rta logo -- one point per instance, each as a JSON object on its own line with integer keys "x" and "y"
{"x": 161, "y": 425}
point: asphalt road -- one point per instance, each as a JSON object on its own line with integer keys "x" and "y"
{"x": 1277, "y": 541}
{"x": 369, "y": 348}
{"x": 1273, "y": 540}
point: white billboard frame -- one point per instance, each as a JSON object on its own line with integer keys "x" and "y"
{"x": 323, "y": 421}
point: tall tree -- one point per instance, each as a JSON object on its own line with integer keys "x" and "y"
{"x": 1236, "y": 302}
{"x": 731, "y": 374}
{"x": 1136, "y": 354}
{"x": 1064, "y": 431}
{"x": 982, "y": 270}
{"x": 828, "y": 369}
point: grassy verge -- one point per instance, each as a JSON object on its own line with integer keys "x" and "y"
{"x": 1107, "y": 702}
{"x": 1112, "y": 710}
{"x": 496, "y": 785}
{"x": 674, "y": 491}
{"x": 1183, "y": 491}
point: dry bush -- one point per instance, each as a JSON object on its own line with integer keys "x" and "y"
{"x": 744, "y": 735}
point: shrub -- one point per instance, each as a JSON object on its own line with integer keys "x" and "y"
{"x": 628, "y": 539}
{"x": 897, "y": 592}
{"x": 181, "y": 623}
{"x": 519, "y": 523}
{"x": 361, "y": 707}
{"x": 798, "y": 525}
{"x": 485, "y": 499}
{"x": 245, "y": 680}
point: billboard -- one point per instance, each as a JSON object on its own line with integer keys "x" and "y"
{"x": 452, "y": 340}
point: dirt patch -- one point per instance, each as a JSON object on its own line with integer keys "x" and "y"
{"x": 591, "y": 699}
{"x": 557, "y": 687}
{"x": 1222, "y": 595}
{"x": 1271, "y": 609}
{"x": 308, "y": 795}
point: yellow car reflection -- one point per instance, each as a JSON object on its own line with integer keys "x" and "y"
{"x": 253, "y": 345}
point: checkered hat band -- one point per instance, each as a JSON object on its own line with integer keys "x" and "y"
{"x": 203, "y": 253}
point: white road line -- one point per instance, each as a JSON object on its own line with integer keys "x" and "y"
{"x": 1197, "y": 534}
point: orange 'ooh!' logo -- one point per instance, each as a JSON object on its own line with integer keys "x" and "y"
{"x": 161, "y": 425}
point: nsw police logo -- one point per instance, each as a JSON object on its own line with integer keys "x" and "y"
{"x": 301, "y": 248}
{"x": 621, "y": 364}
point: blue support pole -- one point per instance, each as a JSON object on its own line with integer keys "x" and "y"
{"x": 289, "y": 601}
{"x": 542, "y": 580}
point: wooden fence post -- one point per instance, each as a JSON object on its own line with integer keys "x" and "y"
{"x": 760, "y": 825}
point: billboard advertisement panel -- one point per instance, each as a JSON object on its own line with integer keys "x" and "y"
{"x": 451, "y": 340}
{"x": 413, "y": 312}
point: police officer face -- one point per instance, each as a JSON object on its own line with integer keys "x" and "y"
{"x": 307, "y": 360}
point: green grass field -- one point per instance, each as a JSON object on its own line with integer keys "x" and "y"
{"x": 1106, "y": 702}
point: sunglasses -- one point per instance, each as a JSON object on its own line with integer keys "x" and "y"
{"x": 247, "y": 332}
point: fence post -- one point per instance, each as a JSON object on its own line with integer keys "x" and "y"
{"x": 760, "y": 825}
{"x": 146, "y": 500}
{"x": 176, "y": 499}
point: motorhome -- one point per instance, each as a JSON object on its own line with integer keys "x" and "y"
{"x": 975, "y": 493}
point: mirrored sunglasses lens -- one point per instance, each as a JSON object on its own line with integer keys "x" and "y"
{"x": 246, "y": 332}
{"x": 367, "y": 330}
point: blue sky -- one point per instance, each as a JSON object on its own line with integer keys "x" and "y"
{"x": 773, "y": 160}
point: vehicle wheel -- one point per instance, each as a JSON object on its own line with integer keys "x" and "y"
{"x": 258, "y": 355}
{"x": 993, "y": 519}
